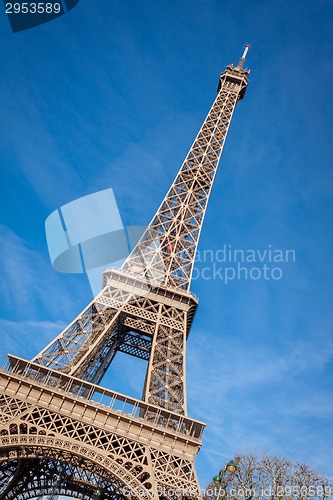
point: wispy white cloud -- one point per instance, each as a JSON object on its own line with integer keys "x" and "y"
{"x": 259, "y": 397}
{"x": 158, "y": 158}
{"x": 38, "y": 158}
{"x": 29, "y": 286}
{"x": 36, "y": 301}
{"x": 27, "y": 338}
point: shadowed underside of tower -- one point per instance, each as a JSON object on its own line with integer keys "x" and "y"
{"x": 60, "y": 432}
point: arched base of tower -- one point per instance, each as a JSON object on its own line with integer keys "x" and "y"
{"x": 30, "y": 471}
{"x": 27, "y": 478}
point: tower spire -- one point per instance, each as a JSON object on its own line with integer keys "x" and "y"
{"x": 242, "y": 59}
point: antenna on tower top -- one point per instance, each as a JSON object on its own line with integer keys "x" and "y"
{"x": 242, "y": 59}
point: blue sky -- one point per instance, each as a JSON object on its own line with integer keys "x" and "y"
{"x": 112, "y": 94}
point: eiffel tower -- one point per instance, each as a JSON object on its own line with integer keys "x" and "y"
{"x": 61, "y": 433}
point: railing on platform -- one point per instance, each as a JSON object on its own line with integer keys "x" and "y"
{"x": 106, "y": 398}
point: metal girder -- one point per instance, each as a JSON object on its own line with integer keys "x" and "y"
{"x": 136, "y": 344}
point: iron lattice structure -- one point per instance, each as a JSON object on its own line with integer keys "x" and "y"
{"x": 60, "y": 432}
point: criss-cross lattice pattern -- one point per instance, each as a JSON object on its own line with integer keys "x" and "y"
{"x": 166, "y": 376}
{"x": 165, "y": 465}
{"x": 10, "y": 408}
{"x": 165, "y": 254}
